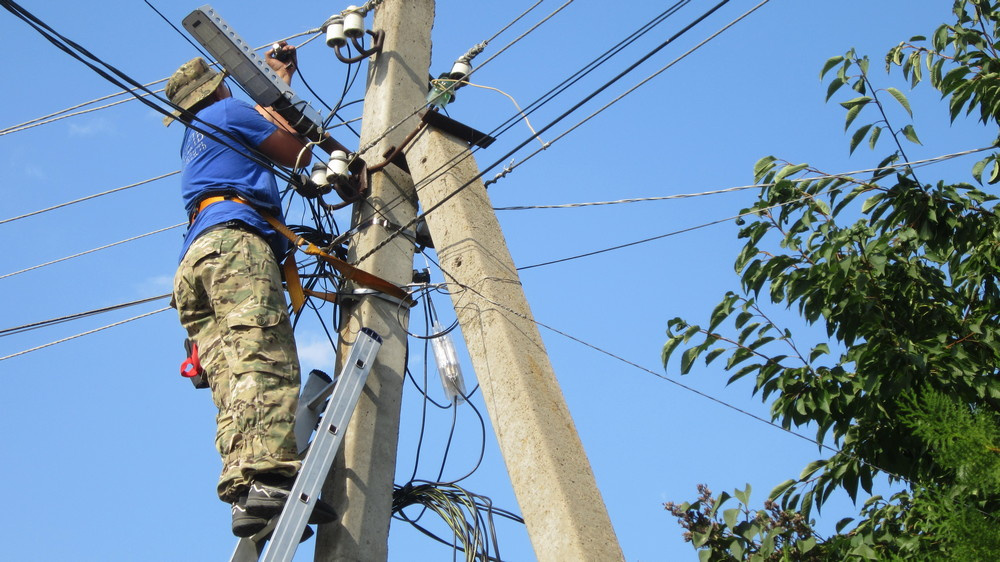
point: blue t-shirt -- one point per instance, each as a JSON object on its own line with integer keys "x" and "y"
{"x": 213, "y": 168}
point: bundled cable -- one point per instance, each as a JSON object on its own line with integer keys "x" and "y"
{"x": 468, "y": 515}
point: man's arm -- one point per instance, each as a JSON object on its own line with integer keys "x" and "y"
{"x": 285, "y": 146}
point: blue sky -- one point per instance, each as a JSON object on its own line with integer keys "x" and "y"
{"x": 109, "y": 453}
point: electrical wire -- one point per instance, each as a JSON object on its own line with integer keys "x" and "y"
{"x": 77, "y": 316}
{"x": 87, "y": 333}
{"x": 915, "y": 163}
{"x": 391, "y": 128}
{"x": 510, "y": 168}
{"x": 106, "y": 246}
{"x": 755, "y": 211}
{"x": 117, "y": 77}
{"x": 552, "y": 93}
{"x": 87, "y": 198}
{"x": 37, "y": 123}
{"x": 606, "y": 85}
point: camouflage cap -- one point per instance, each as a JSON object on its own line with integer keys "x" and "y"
{"x": 192, "y": 82}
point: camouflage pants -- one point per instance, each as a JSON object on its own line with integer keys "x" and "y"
{"x": 228, "y": 294}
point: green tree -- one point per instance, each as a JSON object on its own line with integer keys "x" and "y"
{"x": 903, "y": 276}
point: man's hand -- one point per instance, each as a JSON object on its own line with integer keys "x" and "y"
{"x": 285, "y": 67}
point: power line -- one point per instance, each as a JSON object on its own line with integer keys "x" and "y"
{"x": 117, "y": 77}
{"x": 77, "y": 316}
{"x": 511, "y": 167}
{"x": 531, "y": 138}
{"x": 754, "y": 211}
{"x": 393, "y": 127}
{"x": 87, "y": 333}
{"x": 59, "y": 115}
{"x": 92, "y": 250}
{"x": 913, "y": 164}
{"x": 562, "y": 86}
{"x": 115, "y": 190}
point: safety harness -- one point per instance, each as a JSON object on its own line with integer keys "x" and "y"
{"x": 295, "y": 290}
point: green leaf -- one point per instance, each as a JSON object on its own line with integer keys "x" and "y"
{"x": 858, "y": 136}
{"x": 911, "y": 134}
{"x": 730, "y": 515}
{"x": 835, "y": 85}
{"x": 874, "y": 138}
{"x": 821, "y": 349}
{"x": 687, "y": 359}
{"x": 713, "y": 354}
{"x": 743, "y": 495}
{"x": 843, "y": 523}
{"x": 781, "y": 489}
{"x": 977, "y": 170}
{"x": 807, "y": 544}
{"x": 763, "y": 166}
{"x": 829, "y": 64}
{"x": 852, "y": 114}
{"x": 855, "y": 102}
{"x": 901, "y": 99}
{"x": 704, "y": 555}
{"x": 789, "y": 170}
{"x": 995, "y": 173}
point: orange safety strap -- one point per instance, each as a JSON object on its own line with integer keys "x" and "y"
{"x": 359, "y": 276}
{"x": 295, "y": 291}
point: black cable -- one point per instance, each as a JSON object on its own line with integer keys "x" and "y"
{"x": 179, "y": 32}
{"x": 64, "y": 44}
{"x": 78, "y": 315}
{"x": 551, "y": 124}
{"x": 564, "y": 85}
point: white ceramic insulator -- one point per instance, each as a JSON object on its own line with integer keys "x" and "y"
{"x": 337, "y": 167}
{"x": 335, "y": 33}
{"x": 354, "y": 22}
{"x": 319, "y": 174}
{"x": 460, "y": 70}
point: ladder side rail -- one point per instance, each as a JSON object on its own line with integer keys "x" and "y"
{"x": 323, "y": 449}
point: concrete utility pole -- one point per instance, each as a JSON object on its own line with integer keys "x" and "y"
{"x": 360, "y": 486}
{"x": 552, "y": 479}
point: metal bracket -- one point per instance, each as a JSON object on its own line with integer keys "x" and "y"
{"x": 454, "y": 128}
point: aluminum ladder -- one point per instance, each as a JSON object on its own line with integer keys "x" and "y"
{"x": 343, "y": 394}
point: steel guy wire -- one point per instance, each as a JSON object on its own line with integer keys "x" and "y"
{"x": 914, "y": 164}
{"x": 87, "y": 333}
{"x": 93, "y": 250}
{"x": 115, "y": 190}
{"x": 503, "y": 308}
{"x": 43, "y": 121}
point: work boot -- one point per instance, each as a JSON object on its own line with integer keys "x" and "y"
{"x": 268, "y": 494}
{"x": 245, "y": 524}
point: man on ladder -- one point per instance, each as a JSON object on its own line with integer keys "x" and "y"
{"x": 228, "y": 290}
